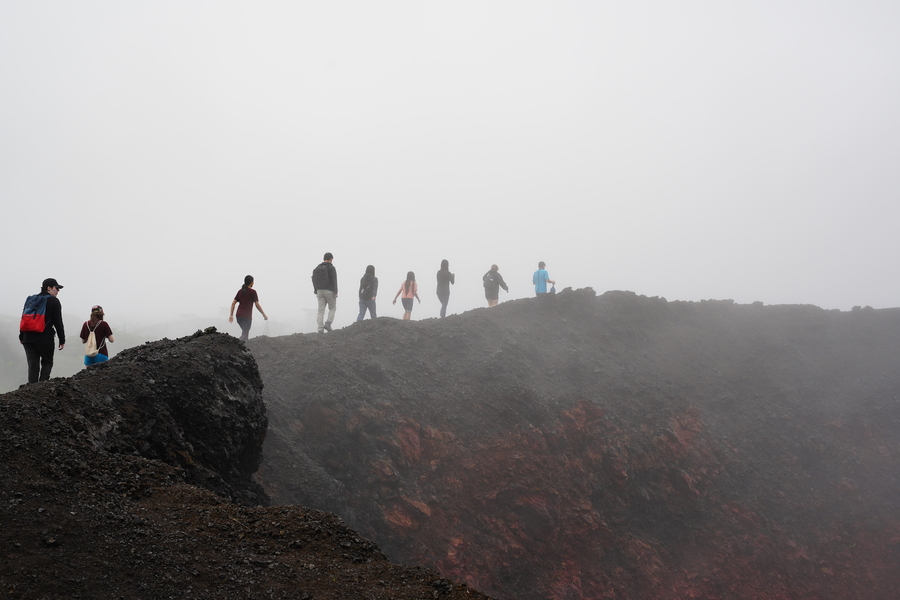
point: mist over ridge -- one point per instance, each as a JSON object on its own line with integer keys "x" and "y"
{"x": 129, "y": 333}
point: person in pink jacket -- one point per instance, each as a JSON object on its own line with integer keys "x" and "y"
{"x": 410, "y": 290}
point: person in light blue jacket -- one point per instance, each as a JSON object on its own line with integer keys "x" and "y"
{"x": 540, "y": 279}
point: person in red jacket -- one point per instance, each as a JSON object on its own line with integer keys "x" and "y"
{"x": 39, "y": 344}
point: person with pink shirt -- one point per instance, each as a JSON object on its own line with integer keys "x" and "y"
{"x": 410, "y": 290}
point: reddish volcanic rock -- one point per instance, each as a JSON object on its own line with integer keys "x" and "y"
{"x": 118, "y": 483}
{"x": 576, "y": 447}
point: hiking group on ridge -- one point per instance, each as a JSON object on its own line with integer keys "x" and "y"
{"x": 42, "y": 323}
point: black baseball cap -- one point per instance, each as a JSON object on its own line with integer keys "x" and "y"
{"x": 50, "y": 282}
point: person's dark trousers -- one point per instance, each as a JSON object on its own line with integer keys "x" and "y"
{"x": 245, "y": 323}
{"x": 366, "y": 304}
{"x": 444, "y": 300}
{"x": 40, "y": 361}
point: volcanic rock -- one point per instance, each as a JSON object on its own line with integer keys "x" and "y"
{"x": 580, "y": 447}
{"x": 133, "y": 479}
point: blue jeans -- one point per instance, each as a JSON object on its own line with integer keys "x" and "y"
{"x": 366, "y": 304}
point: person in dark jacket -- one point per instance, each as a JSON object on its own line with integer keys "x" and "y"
{"x": 493, "y": 281}
{"x": 368, "y": 289}
{"x": 325, "y": 287}
{"x": 39, "y": 346}
{"x": 444, "y": 279}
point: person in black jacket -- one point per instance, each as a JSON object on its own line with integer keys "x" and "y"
{"x": 368, "y": 290}
{"x": 493, "y": 281}
{"x": 39, "y": 345}
{"x": 444, "y": 279}
{"x": 325, "y": 287}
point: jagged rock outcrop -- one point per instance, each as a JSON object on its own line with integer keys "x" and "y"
{"x": 195, "y": 403}
{"x": 99, "y": 495}
{"x": 576, "y": 447}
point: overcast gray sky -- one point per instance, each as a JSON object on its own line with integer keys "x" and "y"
{"x": 154, "y": 153}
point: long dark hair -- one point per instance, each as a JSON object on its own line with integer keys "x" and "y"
{"x": 97, "y": 314}
{"x": 370, "y": 270}
{"x": 247, "y": 281}
{"x": 410, "y": 278}
{"x": 445, "y": 265}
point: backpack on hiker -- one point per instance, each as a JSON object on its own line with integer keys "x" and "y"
{"x": 489, "y": 279}
{"x": 91, "y": 349}
{"x": 34, "y": 314}
{"x": 321, "y": 277}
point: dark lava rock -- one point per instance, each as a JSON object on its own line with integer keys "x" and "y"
{"x": 195, "y": 403}
{"x": 584, "y": 447}
{"x": 102, "y": 495}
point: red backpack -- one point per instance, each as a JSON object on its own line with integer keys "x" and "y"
{"x": 34, "y": 315}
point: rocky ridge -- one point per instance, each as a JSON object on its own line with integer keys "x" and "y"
{"x": 582, "y": 447}
{"x": 133, "y": 479}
